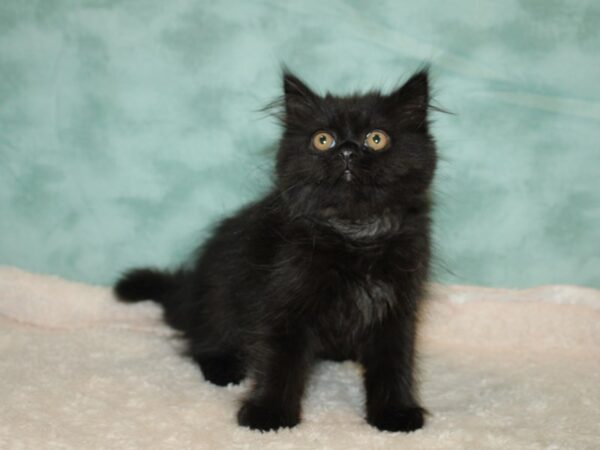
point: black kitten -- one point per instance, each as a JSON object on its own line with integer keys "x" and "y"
{"x": 330, "y": 264}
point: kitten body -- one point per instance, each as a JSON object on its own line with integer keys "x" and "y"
{"x": 330, "y": 264}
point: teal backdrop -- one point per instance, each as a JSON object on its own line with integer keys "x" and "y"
{"x": 129, "y": 127}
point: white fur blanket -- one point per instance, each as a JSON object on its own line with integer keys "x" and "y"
{"x": 500, "y": 369}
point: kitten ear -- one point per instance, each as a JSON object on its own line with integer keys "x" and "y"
{"x": 410, "y": 103}
{"x": 296, "y": 94}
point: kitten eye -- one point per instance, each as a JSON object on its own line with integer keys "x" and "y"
{"x": 322, "y": 141}
{"x": 377, "y": 140}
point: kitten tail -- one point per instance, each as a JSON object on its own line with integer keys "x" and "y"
{"x": 147, "y": 284}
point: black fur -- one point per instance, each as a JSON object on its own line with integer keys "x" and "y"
{"x": 325, "y": 266}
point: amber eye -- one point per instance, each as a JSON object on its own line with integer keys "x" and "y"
{"x": 322, "y": 141}
{"x": 377, "y": 140}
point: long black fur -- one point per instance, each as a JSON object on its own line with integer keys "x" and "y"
{"x": 324, "y": 266}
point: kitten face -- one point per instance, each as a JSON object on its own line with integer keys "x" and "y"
{"x": 353, "y": 157}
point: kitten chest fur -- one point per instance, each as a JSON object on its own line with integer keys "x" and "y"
{"x": 359, "y": 265}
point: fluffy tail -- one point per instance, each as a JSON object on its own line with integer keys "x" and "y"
{"x": 147, "y": 284}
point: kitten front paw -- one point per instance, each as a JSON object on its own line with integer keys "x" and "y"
{"x": 266, "y": 417}
{"x": 404, "y": 419}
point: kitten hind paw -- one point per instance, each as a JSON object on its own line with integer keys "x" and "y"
{"x": 405, "y": 419}
{"x": 266, "y": 417}
{"x": 221, "y": 370}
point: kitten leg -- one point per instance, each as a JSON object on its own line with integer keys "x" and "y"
{"x": 388, "y": 361}
{"x": 281, "y": 367}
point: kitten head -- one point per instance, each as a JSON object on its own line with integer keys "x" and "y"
{"x": 354, "y": 157}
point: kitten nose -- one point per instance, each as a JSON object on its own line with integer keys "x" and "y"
{"x": 348, "y": 151}
{"x": 347, "y": 155}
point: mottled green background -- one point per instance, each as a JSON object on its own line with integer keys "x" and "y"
{"x": 127, "y": 128}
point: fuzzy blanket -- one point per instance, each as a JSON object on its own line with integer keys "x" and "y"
{"x": 500, "y": 369}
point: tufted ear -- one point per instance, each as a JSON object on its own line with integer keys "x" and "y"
{"x": 297, "y": 95}
{"x": 410, "y": 102}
